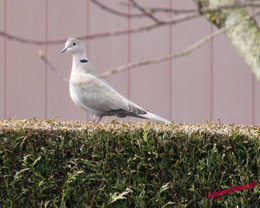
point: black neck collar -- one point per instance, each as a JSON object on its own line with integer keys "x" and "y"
{"x": 83, "y": 60}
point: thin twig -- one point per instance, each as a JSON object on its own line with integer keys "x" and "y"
{"x": 50, "y": 66}
{"x": 113, "y": 11}
{"x": 157, "y": 9}
{"x": 169, "y": 10}
{"x": 145, "y": 12}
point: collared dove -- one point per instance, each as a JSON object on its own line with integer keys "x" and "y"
{"x": 95, "y": 95}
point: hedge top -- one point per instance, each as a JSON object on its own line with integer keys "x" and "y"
{"x": 92, "y": 128}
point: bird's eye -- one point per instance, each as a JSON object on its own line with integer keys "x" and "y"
{"x": 74, "y": 44}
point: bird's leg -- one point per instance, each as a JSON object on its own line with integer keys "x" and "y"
{"x": 99, "y": 119}
{"x": 93, "y": 119}
{"x": 96, "y": 119}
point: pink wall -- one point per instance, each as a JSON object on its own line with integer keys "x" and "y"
{"x": 210, "y": 84}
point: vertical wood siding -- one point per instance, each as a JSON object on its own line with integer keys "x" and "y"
{"x": 191, "y": 75}
{"x": 2, "y": 61}
{"x": 255, "y": 86}
{"x": 149, "y": 85}
{"x": 24, "y": 70}
{"x": 211, "y": 83}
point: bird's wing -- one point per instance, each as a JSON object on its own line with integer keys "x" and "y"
{"x": 101, "y": 97}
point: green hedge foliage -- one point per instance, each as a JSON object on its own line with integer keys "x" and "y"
{"x": 76, "y": 164}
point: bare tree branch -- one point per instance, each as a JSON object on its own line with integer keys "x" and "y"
{"x": 113, "y": 11}
{"x": 237, "y": 4}
{"x": 145, "y": 12}
{"x": 178, "y": 19}
{"x": 174, "y": 56}
{"x": 169, "y": 10}
{"x": 101, "y": 35}
{"x": 160, "y": 10}
{"x": 185, "y": 52}
{"x": 152, "y": 10}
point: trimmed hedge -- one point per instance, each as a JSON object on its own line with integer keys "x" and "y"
{"x": 76, "y": 164}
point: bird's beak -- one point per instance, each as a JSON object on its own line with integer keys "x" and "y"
{"x": 64, "y": 50}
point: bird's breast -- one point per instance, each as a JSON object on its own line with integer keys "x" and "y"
{"x": 81, "y": 87}
{"x": 80, "y": 78}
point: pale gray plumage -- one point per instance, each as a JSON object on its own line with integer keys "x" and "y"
{"x": 95, "y": 95}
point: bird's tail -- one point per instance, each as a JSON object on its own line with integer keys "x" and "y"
{"x": 154, "y": 117}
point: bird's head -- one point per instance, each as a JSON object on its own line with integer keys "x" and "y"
{"x": 74, "y": 46}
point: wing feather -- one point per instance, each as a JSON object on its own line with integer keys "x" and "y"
{"x": 102, "y": 98}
